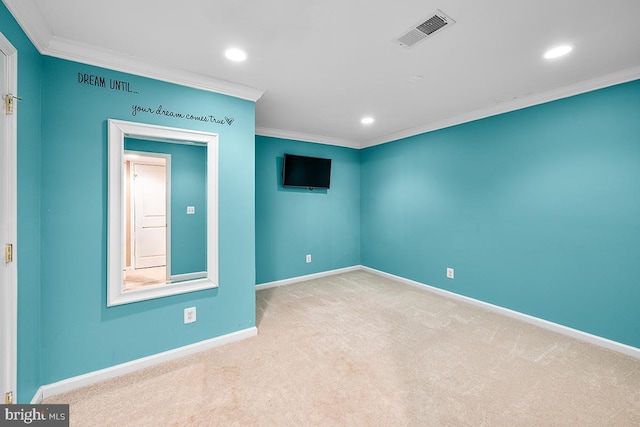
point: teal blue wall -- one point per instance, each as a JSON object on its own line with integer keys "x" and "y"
{"x": 188, "y": 171}
{"x": 537, "y": 210}
{"x": 79, "y": 333}
{"x": 293, "y": 222}
{"x": 28, "y": 245}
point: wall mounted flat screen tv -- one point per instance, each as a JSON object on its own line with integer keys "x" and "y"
{"x": 307, "y": 172}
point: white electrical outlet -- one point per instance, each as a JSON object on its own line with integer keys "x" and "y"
{"x": 189, "y": 315}
{"x": 308, "y": 258}
{"x": 191, "y": 210}
{"x": 450, "y": 273}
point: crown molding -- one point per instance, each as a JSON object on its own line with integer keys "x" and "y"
{"x": 91, "y": 55}
{"x": 30, "y": 18}
{"x": 566, "y": 91}
{"x": 306, "y": 137}
{"x": 517, "y": 104}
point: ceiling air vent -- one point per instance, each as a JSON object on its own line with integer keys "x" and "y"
{"x": 424, "y": 29}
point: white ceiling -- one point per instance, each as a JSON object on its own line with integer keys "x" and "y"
{"x": 325, "y": 64}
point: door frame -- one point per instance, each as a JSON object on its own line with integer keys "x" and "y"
{"x": 149, "y": 158}
{"x": 143, "y": 161}
{"x": 9, "y": 355}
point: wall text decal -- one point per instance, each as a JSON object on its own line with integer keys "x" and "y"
{"x": 100, "y": 81}
{"x": 161, "y": 111}
{"x": 125, "y": 86}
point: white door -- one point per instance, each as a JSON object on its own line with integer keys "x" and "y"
{"x": 8, "y": 227}
{"x": 150, "y": 215}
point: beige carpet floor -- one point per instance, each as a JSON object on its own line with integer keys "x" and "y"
{"x": 359, "y": 350}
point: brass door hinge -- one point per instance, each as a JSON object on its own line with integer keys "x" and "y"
{"x": 8, "y": 253}
{"x": 9, "y": 103}
{"x": 8, "y": 398}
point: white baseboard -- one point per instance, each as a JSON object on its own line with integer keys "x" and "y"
{"x": 307, "y": 277}
{"x": 84, "y": 380}
{"x": 545, "y": 324}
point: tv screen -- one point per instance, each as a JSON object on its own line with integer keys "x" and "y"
{"x": 308, "y": 172}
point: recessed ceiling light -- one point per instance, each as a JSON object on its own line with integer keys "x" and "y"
{"x": 558, "y": 51}
{"x": 236, "y": 55}
{"x": 367, "y": 120}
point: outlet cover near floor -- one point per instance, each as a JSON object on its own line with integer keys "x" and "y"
{"x": 450, "y": 273}
{"x": 189, "y": 315}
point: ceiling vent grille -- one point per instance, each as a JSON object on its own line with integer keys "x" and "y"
{"x": 424, "y": 29}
